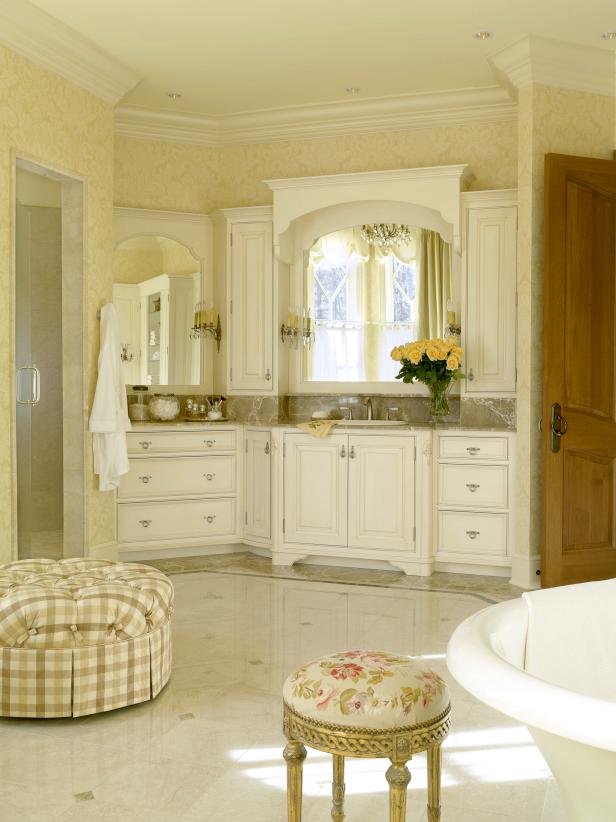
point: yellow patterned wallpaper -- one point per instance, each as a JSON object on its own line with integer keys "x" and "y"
{"x": 183, "y": 177}
{"x": 566, "y": 122}
{"x": 48, "y": 120}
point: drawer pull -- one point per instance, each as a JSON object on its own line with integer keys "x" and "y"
{"x": 145, "y": 522}
{"x": 145, "y": 478}
{"x": 473, "y": 534}
{"x": 210, "y": 443}
{"x": 209, "y": 477}
{"x": 472, "y": 486}
{"x": 473, "y": 449}
{"x": 210, "y": 518}
{"x": 145, "y": 444}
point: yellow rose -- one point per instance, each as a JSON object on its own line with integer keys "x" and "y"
{"x": 453, "y": 363}
{"x": 451, "y": 341}
{"x": 433, "y": 352}
{"x": 396, "y": 353}
{"x": 457, "y": 351}
{"x": 415, "y": 356}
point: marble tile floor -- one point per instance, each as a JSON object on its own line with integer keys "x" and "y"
{"x": 488, "y": 589}
{"x": 209, "y": 748}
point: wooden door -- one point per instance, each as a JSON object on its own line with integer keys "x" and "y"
{"x": 315, "y": 489}
{"x": 578, "y": 538}
{"x": 257, "y": 483}
{"x": 251, "y": 338}
{"x": 381, "y": 492}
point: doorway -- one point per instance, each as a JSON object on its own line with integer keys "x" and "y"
{"x": 49, "y": 442}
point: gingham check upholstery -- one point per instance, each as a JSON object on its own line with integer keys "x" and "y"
{"x": 82, "y": 636}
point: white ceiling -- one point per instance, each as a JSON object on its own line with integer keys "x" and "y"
{"x": 228, "y": 56}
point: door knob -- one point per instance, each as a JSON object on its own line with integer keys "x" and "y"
{"x": 558, "y": 427}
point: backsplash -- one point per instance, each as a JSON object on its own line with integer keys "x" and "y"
{"x": 471, "y": 412}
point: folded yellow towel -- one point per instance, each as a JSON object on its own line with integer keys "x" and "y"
{"x": 317, "y": 428}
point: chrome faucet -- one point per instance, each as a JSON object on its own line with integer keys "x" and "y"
{"x": 347, "y": 412}
{"x": 368, "y": 404}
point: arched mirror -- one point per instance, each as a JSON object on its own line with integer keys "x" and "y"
{"x": 156, "y": 284}
{"x": 366, "y": 289}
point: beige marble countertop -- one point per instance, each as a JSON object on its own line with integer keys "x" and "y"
{"x": 185, "y": 425}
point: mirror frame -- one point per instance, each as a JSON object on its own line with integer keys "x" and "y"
{"x": 194, "y": 232}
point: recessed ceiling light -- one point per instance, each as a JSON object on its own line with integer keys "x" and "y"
{"x": 483, "y": 35}
{"x": 609, "y": 35}
{"x": 353, "y": 89}
{"x": 175, "y": 95}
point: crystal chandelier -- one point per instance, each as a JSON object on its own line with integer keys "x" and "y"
{"x": 385, "y": 235}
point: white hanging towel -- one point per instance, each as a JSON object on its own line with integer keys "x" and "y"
{"x": 109, "y": 420}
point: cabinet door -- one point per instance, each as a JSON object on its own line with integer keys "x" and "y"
{"x": 381, "y": 492}
{"x": 257, "y": 490}
{"x": 490, "y": 299}
{"x": 251, "y": 335}
{"x": 315, "y": 489}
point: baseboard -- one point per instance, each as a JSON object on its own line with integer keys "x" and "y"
{"x": 524, "y": 571}
{"x": 478, "y": 570}
{"x": 172, "y": 553}
{"x": 108, "y": 550}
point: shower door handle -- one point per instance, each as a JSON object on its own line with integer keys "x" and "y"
{"x": 36, "y": 385}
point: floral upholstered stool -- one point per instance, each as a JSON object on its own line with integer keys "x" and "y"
{"x": 366, "y": 704}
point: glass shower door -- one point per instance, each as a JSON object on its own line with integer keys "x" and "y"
{"x": 38, "y": 378}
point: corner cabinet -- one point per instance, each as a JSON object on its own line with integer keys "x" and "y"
{"x": 489, "y": 291}
{"x": 244, "y": 284}
{"x": 257, "y": 486}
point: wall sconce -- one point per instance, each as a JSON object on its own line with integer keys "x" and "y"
{"x": 452, "y": 328}
{"x": 206, "y": 323}
{"x": 124, "y": 355}
{"x": 297, "y": 328}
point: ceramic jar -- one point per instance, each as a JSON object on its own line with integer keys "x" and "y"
{"x": 164, "y": 407}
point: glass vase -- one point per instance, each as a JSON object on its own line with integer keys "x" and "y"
{"x": 439, "y": 406}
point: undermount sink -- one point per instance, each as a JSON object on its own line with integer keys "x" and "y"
{"x": 372, "y": 424}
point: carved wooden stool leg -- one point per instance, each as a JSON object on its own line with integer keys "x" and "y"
{"x": 338, "y": 789}
{"x": 398, "y": 777}
{"x": 294, "y": 754}
{"x": 434, "y": 784}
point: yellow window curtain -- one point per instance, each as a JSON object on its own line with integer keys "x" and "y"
{"x": 433, "y": 282}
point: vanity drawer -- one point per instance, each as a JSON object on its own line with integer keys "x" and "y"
{"x": 179, "y": 476}
{"x": 186, "y": 519}
{"x": 178, "y": 441}
{"x": 483, "y": 486}
{"x": 475, "y": 448}
{"x": 466, "y": 532}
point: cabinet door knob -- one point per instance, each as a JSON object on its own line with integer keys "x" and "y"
{"x": 473, "y": 449}
{"x": 472, "y": 486}
{"x": 268, "y": 375}
{"x": 145, "y": 522}
{"x": 473, "y": 534}
{"x": 343, "y": 452}
{"x": 210, "y": 443}
{"x": 210, "y": 518}
{"x": 145, "y": 444}
{"x": 209, "y": 477}
{"x": 145, "y": 478}
{"x": 267, "y": 447}
{"x": 352, "y": 453}
{"x": 470, "y": 376}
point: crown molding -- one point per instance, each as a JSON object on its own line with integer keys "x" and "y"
{"x": 48, "y": 43}
{"x": 320, "y": 120}
{"x": 550, "y": 62}
{"x": 163, "y": 217}
{"x": 458, "y": 172}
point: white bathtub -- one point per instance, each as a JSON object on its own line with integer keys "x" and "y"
{"x": 549, "y": 661}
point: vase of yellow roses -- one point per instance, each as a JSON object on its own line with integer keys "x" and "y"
{"x": 436, "y": 363}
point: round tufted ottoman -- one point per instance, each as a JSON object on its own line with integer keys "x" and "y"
{"x": 366, "y": 704}
{"x": 81, "y": 636}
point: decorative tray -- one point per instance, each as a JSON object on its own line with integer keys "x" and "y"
{"x": 205, "y": 419}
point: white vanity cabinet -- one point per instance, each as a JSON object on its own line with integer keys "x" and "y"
{"x": 350, "y": 495}
{"x": 182, "y": 488}
{"x": 257, "y": 486}
{"x": 244, "y": 283}
{"x": 489, "y": 291}
{"x": 474, "y": 492}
